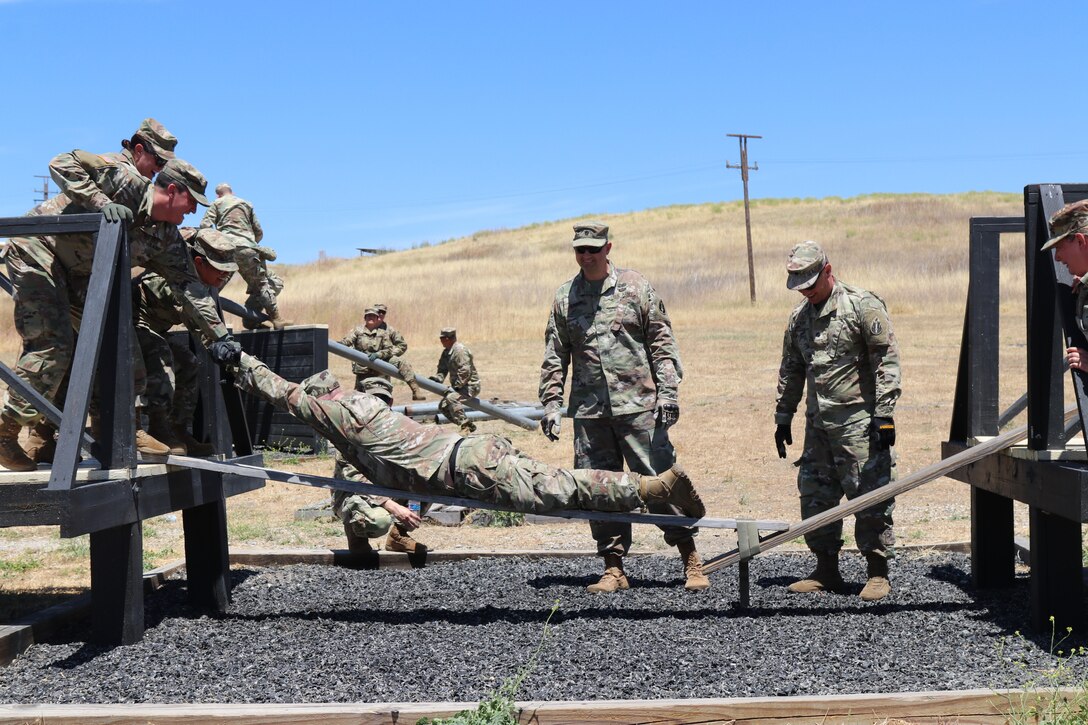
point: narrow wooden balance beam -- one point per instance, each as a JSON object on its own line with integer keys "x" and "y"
{"x": 747, "y": 529}
{"x": 933, "y": 471}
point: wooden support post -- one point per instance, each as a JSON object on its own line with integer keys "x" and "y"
{"x": 117, "y": 585}
{"x": 207, "y": 563}
{"x": 993, "y": 548}
{"x": 1057, "y": 586}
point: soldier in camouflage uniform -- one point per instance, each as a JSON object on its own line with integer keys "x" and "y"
{"x": 1069, "y": 227}
{"x": 367, "y": 517}
{"x": 456, "y": 361}
{"x": 171, "y": 391}
{"x": 840, "y": 341}
{"x": 148, "y": 150}
{"x": 51, "y": 274}
{"x": 234, "y": 216}
{"x": 380, "y": 342}
{"x": 415, "y": 457}
{"x": 144, "y": 154}
{"x": 624, "y": 387}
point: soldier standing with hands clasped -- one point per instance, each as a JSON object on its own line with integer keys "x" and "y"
{"x": 840, "y": 342}
{"x": 611, "y": 325}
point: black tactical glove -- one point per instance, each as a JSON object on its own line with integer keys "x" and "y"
{"x": 374, "y": 356}
{"x": 883, "y": 433}
{"x": 667, "y": 413}
{"x": 226, "y": 351}
{"x": 116, "y": 212}
{"x": 549, "y": 425}
{"x": 436, "y": 379}
{"x": 782, "y": 438}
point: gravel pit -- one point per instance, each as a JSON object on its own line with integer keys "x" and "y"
{"x": 454, "y": 631}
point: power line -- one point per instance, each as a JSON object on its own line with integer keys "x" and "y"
{"x": 44, "y": 191}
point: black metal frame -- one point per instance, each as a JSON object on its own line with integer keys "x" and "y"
{"x": 111, "y": 509}
{"x": 1055, "y": 491}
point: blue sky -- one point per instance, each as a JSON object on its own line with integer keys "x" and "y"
{"x": 353, "y": 124}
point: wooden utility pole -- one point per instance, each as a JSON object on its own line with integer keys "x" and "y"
{"x": 45, "y": 188}
{"x": 743, "y": 138}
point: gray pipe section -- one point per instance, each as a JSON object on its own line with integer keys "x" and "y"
{"x": 431, "y": 386}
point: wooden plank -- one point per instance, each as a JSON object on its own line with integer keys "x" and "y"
{"x": 303, "y": 479}
{"x": 968, "y": 706}
{"x": 207, "y": 560}
{"x": 922, "y": 476}
{"x": 36, "y": 226}
{"x": 111, "y": 236}
{"x": 992, "y": 543}
{"x": 36, "y": 399}
{"x": 1058, "y": 487}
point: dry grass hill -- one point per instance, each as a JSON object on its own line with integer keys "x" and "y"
{"x": 496, "y": 285}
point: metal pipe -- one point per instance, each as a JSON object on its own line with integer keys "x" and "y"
{"x": 429, "y": 385}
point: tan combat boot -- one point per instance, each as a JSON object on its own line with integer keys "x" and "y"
{"x": 693, "y": 567}
{"x": 41, "y": 444}
{"x": 357, "y": 544}
{"x": 158, "y": 425}
{"x": 398, "y": 539}
{"x": 674, "y": 487}
{"x": 192, "y": 445}
{"x": 613, "y": 578}
{"x": 878, "y": 585}
{"x": 825, "y": 577}
{"x": 278, "y": 323}
{"x": 147, "y": 443}
{"x": 417, "y": 392}
{"x": 12, "y": 456}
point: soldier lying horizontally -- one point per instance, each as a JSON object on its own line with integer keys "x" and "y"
{"x": 401, "y": 453}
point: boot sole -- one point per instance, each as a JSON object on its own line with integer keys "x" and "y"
{"x": 682, "y": 479}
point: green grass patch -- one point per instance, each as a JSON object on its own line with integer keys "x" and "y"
{"x": 19, "y": 563}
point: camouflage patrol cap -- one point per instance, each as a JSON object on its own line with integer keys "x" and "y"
{"x": 370, "y": 311}
{"x": 381, "y": 308}
{"x": 161, "y": 141}
{"x": 379, "y": 387}
{"x": 590, "y": 234}
{"x": 182, "y": 173}
{"x": 319, "y": 384}
{"x": 450, "y": 332}
{"x": 1070, "y": 219}
{"x": 215, "y": 247}
{"x": 804, "y": 265}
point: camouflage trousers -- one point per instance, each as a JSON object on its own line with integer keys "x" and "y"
{"x": 450, "y": 405}
{"x": 363, "y": 514}
{"x": 489, "y": 468}
{"x": 606, "y": 443}
{"x": 261, "y": 294}
{"x": 172, "y": 384}
{"x": 48, "y": 311}
{"x": 362, "y": 372}
{"x": 841, "y": 462}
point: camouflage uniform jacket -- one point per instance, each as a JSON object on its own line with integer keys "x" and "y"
{"x": 621, "y": 343}
{"x": 234, "y": 216}
{"x": 154, "y": 305}
{"x": 847, "y": 352}
{"x": 1081, "y": 302}
{"x": 397, "y": 342}
{"x": 456, "y": 361}
{"x": 367, "y": 342}
{"x": 383, "y": 445}
{"x": 122, "y": 157}
{"x": 88, "y": 182}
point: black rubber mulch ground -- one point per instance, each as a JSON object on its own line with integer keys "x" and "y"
{"x": 455, "y": 631}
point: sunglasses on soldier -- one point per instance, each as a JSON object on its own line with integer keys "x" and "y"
{"x": 588, "y": 250}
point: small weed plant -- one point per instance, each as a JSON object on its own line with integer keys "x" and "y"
{"x": 1055, "y": 694}
{"x": 498, "y": 707}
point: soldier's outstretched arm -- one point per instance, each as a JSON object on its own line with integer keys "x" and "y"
{"x": 72, "y": 174}
{"x": 211, "y": 217}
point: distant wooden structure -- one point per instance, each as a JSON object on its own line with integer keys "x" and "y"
{"x": 110, "y": 497}
{"x": 372, "y": 252}
{"x": 1046, "y": 474}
